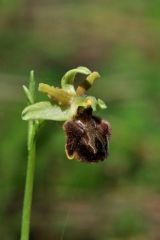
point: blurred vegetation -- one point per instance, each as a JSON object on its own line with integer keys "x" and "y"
{"x": 120, "y": 197}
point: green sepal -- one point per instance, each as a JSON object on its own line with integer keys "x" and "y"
{"x": 68, "y": 79}
{"x": 45, "y": 111}
{"x": 48, "y": 111}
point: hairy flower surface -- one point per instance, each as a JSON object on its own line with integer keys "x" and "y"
{"x": 87, "y": 136}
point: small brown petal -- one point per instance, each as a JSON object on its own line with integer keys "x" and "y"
{"x": 87, "y": 137}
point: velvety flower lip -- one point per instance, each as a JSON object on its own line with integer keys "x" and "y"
{"x": 87, "y": 137}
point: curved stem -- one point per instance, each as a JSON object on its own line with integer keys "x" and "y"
{"x": 29, "y": 181}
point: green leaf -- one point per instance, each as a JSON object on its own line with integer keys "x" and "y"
{"x": 68, "y": 78}
{"x": 32, "y": 85}
{"x": 28, "y": 94}
{"x": 46, "y": 111}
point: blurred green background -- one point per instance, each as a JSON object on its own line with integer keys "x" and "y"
{"x": 120, "y": 197}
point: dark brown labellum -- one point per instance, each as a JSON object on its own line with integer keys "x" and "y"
{"x": 87, "y": 137}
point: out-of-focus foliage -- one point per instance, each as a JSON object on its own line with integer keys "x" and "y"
{"x": 116, "y": 199}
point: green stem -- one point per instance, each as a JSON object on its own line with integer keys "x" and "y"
{"x": 25, "y": 227}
